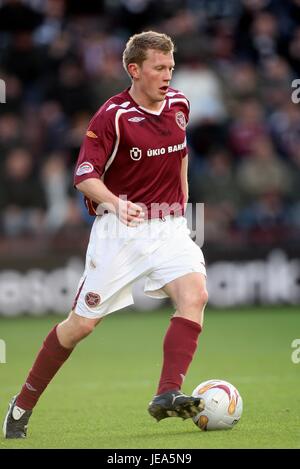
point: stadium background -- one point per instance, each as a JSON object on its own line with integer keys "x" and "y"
{"x": 236, "y": 62}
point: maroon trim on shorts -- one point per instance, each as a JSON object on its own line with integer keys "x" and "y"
{"x": 78, "y": 293}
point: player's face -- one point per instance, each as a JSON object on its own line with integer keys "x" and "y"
{"x": 154, "y": 75}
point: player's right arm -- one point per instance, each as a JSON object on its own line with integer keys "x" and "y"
{"x": 97, "y": 147}
{"x": 128, "y": 212}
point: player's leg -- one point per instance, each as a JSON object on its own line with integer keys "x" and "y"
{"x": 112, "y": 264}
{"x": 56, "y": 348}
{"x": 75, "y": 328}
{"x": 189, "y": 294}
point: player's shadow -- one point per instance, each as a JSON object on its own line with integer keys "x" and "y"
{"x": 150, "y": 435}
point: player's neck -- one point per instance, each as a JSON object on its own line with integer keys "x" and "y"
{"x": 143, "y": 101}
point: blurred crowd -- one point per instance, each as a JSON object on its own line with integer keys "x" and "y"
{"x": 236, "y": 61}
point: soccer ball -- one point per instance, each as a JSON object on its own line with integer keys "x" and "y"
{"x": 223, "y": 405}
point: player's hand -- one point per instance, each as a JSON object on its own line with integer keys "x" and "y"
{"x": 129, "y": 213}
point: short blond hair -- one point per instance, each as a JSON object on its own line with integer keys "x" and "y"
{"x": 137, "y": 46}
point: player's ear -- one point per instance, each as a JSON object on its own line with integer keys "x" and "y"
{"x": 133, "y": 70}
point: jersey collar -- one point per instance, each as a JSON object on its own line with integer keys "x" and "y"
{"x": 155, "y": 113}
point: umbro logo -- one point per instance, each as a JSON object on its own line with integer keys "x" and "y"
{"x": 31, "y": 388}
{"x": 136, "y": 119}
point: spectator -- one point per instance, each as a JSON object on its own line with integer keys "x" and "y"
{"x": 248, "y": 125}
{"x": 263, "y": 172}
{"x": 285, "y": 127}
{"x": 53, "y": 24}
{"x": 266, "y": 220}
{"x": 215, "y": 185}
{"x": 56, "y": 181}
{"x": 10, "y": 132}
{"x": 22, "y": 197}
{"x": 70, "y": 89}
{"x": 203, "y": 88}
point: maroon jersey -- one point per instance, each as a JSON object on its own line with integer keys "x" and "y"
{"x": 137, "y": 153}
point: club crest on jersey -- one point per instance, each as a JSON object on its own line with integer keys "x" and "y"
{"x": 180, "y": 120}
{"x": 84, "y": 168}
{"x": 92, "y": 299}
{"x": 135, "y": 153}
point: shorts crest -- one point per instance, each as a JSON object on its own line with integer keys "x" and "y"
{"x": 92, "y": 299}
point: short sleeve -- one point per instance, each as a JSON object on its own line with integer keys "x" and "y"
{"x": 187, "y": 111}
{"x": 96, "y": 148}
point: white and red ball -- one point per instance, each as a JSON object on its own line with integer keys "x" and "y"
{"x": 223, "y": 405}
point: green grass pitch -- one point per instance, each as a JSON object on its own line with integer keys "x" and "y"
{"x": 100, "y": 396}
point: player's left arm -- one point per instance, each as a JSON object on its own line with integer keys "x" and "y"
{"x": 184, "y": 179}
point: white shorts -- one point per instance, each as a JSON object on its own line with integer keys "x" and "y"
{"x": 118, "y": 255}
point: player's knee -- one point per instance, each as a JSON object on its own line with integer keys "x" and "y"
{"x": 203, "y": 297}
{"x": 193, "y": 302}
{"x": 85, "y": 328}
